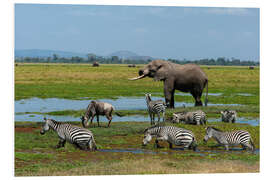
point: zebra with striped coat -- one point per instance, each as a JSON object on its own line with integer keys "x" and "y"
{"x": 228, "y": 116}
{"x": 82, "y": 138}
{"x": 227, "y": 139}
{"x": 196, "y": 117}
{"x": 155, "y": 107}
{"x": 171, "y": 134}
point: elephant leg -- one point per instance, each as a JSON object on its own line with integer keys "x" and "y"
{"x": 197, "y": 97}
{"x": 169, "y": 93}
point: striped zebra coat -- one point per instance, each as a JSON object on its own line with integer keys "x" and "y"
{"x": 196, "y": 117}
{"x": 82, "y": 138}
{"x": 227, "y": 139}
{"x": 228, "y": 116}
{"x": 155, "y": 108}
{"x": 171, "y": 134}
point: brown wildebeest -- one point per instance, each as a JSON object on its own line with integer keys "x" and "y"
{"x": 96, "y": 108}
{"x": 251, "y": 67}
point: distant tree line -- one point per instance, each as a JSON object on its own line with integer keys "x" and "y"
{"x": 116, "y": 60}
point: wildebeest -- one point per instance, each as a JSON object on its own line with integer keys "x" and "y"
{"x": 96, "y": 108}
{"x": 95, "y": 64}
{"x": 251, "y": 67}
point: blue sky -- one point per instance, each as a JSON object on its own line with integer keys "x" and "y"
{"x": 161, "y": 32}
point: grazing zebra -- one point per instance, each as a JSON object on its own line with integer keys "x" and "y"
{"x": 171, "y": 134}
{"x": 196, "y": 117}
{"x": 82, "y": 138}
{"x": 230, "y": 138}
{"x": 228, "y": 116}
{"x": 155, "y": 107}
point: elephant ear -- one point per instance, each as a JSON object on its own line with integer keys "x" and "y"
{"x": 161, "y": 74}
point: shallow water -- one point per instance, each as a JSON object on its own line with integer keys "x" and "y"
{"x": 56, "y": 104}
{"x": 140, "y": 118}
{"x": 241, "y": 120}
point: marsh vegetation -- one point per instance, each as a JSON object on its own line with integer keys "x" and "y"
{"x": 35, "y": 155}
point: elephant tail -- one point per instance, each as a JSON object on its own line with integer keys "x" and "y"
{"x": 206, "y": 93}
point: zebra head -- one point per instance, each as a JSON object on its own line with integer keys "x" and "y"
{"x": 147, "y": 137}
{"x": 177, "y": 117}
{"x": 209, "y": 131}
{"x": 45, "y": 127}
{"x": 148, "y": 96}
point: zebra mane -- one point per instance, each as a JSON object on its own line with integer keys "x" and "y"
{"x": 215, "y": 129}
{"x": 54, "y": 121}
{"x": 151, "y": 128}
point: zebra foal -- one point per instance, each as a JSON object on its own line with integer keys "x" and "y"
{"x": 171, "y": 134}
{"x": 196, "y": 117}
{"x": 227, "y": 139}
{"x": 228, "y": 116}
{"x": 155, "y": 107}
{"x": 82, "y": 138}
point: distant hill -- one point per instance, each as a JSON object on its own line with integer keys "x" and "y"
{"x": 49, "y": 53}
{"x": 129, "y": 55}
{"x": 46, "y": 53}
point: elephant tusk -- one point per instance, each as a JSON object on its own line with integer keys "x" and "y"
{"x": 136, "y": 78}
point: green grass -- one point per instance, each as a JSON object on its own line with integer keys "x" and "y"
{"x": 35, "y": 154}
{"x": 111, "y": 81}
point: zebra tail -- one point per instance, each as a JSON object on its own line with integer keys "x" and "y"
{"x": 206, "y": 94}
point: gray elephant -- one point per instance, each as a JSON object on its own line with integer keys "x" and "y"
{"x": 186, "y": 78}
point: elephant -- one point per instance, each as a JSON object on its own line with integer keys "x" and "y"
{"x": 186, "y": 78}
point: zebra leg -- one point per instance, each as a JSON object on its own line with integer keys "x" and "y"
{"x": 156, "y": 145}
{"x": 153, "y": 115}
{"x": 170, "y": 145}
{"x": 150, "y": 115}
{"x": 158, "y": 117}
{"x": 61, "y": 143}
{"x": 226, "y": 147}
{"x": 163, "y": 114}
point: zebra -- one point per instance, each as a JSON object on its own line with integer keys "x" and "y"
{"x": 171, "y": 134}
{"x": 82, "y": 138}
{"x": 230, "y": 138}
{"x": 196, "y": 117}
{"x": 155, "y": 107}
{"x": 228, "y": 116}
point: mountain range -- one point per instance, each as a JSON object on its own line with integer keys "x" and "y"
{"x": 49, "y": 53}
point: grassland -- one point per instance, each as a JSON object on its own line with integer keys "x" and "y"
{"x": 111, "y": 81}
{"x": 35, "y": 155}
